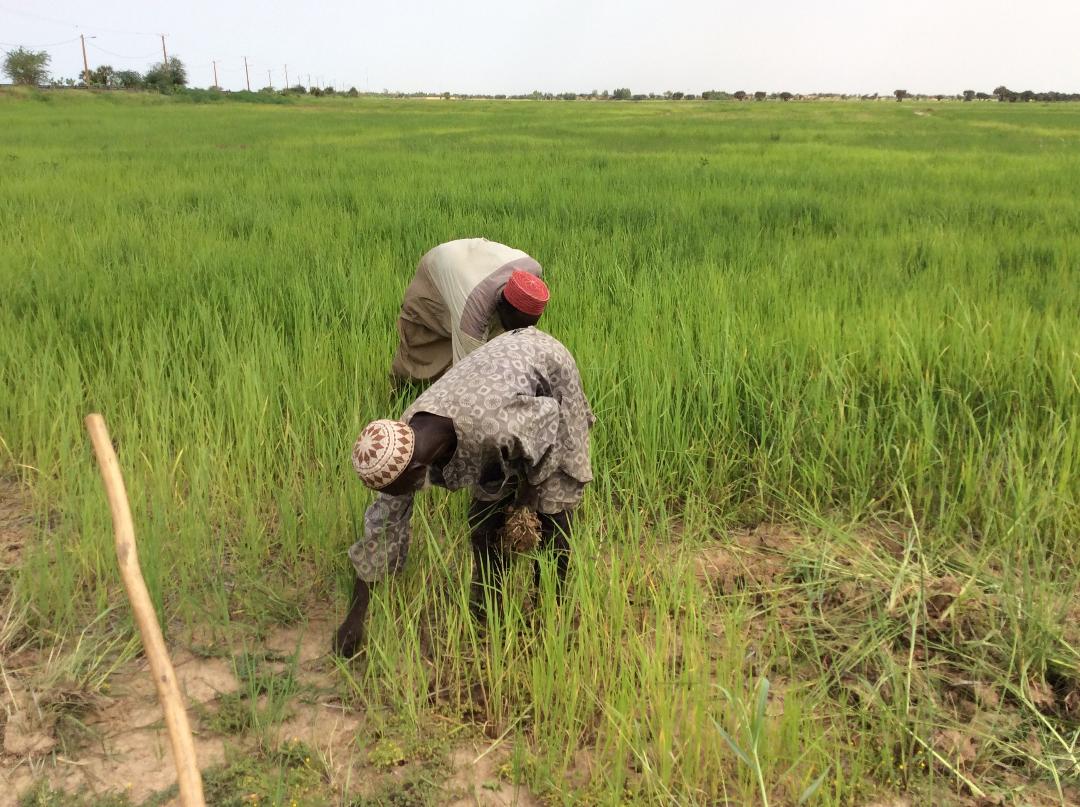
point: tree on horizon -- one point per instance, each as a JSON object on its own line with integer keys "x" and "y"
{"x": 24, "y": 66}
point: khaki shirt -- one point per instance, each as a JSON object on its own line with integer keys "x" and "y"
{"x": 449, "y": 308}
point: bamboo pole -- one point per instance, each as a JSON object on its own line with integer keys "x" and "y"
{"x": 183, "y": 748}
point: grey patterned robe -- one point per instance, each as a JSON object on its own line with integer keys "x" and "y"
{"x": 520, "y": 415}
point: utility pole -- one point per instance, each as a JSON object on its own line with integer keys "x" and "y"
{"x": 286, "y": 77}
{"x": 164, "y": 55}
{"x": 85, "y": 64}
{"x": 309, "y": 80}
{"x": 247, "y": 77}
{"x": 214, "y": 62}
{"x": 269, "y": 79}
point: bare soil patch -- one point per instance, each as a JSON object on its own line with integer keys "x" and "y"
{"x": 117, "y": 742}
{"x": 478, "y": 780}
{"x": 16, "y": 520}
{"x": 753, "y": 559}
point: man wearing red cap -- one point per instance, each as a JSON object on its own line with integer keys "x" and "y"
{"x": 464, "y": 293}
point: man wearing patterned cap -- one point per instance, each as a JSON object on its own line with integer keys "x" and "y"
{"x": 510, "y": 422}
{"x": 464, "y": 293}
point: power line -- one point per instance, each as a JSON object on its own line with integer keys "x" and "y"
{"x": 49, "y": 45}
{"x": 73, "y": 24}
{"x": 120, "y": 55}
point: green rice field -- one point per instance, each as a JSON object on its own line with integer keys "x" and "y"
{"x": 831, "y": 554}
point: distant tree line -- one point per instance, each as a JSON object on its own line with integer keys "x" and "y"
{"x": 24, "y": 66}
{"x": 1003, "y": 93}
{"x": 29, "y": 67}
{"x": 626, "y": 94}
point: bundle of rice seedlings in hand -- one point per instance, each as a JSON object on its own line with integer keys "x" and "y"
{"x": 521, "y": 530}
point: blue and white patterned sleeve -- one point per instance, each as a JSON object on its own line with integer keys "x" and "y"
{"x": 385, "y": 545}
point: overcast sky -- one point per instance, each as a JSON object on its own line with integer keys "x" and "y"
{"x": 516, "y": 46}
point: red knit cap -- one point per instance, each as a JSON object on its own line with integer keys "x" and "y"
{"x": 527, "y": 293}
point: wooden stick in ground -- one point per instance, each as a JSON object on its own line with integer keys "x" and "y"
{"x": 183, "y": 748}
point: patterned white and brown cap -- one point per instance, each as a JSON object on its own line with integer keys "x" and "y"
{"x": 382, "y": 452}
